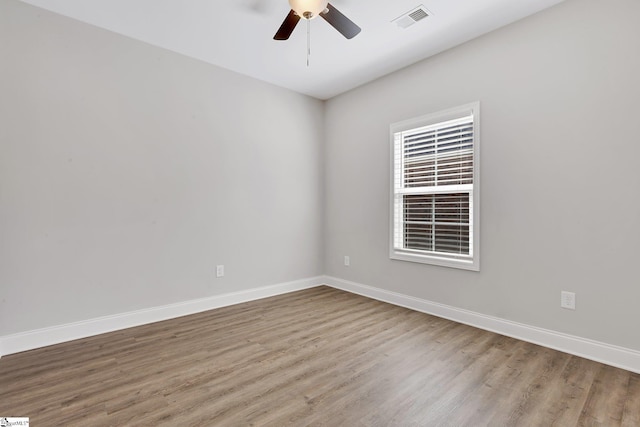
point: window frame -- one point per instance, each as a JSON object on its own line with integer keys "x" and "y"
{"x": 471, "y": 262}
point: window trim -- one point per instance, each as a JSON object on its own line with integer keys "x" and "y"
{"x": 474, "y": 196}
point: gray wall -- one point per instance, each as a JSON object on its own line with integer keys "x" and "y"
{"x": 560, "y": 205}
{"x": 128, "y": 172}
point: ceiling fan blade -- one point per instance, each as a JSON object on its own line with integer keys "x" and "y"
{"x": 287, "y": 27}
{"x": 344, "y": 25}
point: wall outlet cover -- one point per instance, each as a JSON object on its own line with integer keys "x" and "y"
{"x": 568, "y": 300}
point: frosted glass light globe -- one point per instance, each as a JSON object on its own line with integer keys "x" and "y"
{"x": 308, "y": 9}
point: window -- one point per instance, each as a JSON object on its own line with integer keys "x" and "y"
{"x": 435, "y": 200}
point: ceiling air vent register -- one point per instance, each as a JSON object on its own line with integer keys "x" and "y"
{"x": 411, "y": 17}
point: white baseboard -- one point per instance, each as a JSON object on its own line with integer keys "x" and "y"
{"x": 619, "y": 357}
{"x": 29, "y": 340}
{"x": 600, "y": 352}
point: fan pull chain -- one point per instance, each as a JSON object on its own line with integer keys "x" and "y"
{"x": 308, "y": 40}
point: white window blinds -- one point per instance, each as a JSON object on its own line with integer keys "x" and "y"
{"x": 433, "y": 190}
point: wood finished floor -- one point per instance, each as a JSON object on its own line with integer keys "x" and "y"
{"x": 315, "y": 357}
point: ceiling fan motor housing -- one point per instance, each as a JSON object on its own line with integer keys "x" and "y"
{"x": 308, "y": 9}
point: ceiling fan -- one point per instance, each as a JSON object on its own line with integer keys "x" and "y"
{"x": 309, "y": 9}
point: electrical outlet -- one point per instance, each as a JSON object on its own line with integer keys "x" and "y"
{"x": 219, "y": 270}
{"x": 568, "y": 300}
{"x": 347, "y": 261}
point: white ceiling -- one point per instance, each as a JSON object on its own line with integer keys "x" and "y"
{"x": 238, "y": 34}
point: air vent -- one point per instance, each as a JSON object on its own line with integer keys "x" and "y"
{"x": 412, "y": 16}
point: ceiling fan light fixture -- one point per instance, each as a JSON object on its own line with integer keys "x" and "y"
{"x": 308, "y": 9}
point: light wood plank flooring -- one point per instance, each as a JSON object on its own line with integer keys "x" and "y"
{"x": 315, "y": 357}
